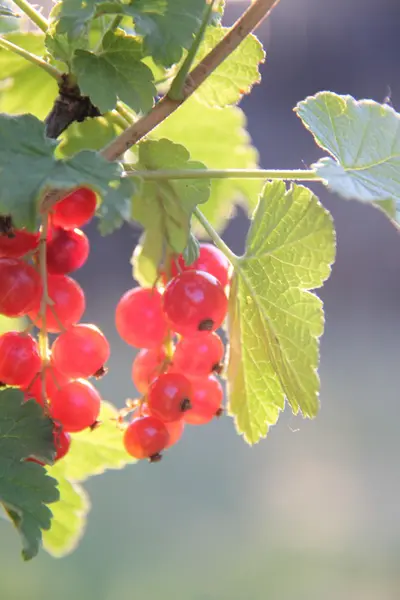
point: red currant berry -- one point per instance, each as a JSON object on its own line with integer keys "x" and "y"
{"x": 62, "y": 443}
{"x": 206, "y": 400}
{"x": 76, "y": 405}
{"x": 169, "y": 396}
{"x": 20, "y": 243}
{"x": 140, "y": 319}
{"x": 67, "y": 251}
{"x": 210, "y": 259}
{"x": 20, "y": 287}
{"x": 80, "y": 351}
{"x": 147, "y": 366}
{"x": 195, "y": 302}
{"x": 68, "y": 304}
{"x": 146, "y": 437}
{"x": 199, "y": 356}
{"x": 76, "y": 209}
{"x": 19, "y": 358}
{"x": 175, "y": 430}
{"x": 54, "y": 380}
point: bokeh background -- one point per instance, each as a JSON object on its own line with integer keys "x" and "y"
{"x": 313, "y": 512}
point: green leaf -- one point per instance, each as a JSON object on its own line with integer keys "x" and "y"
{"x": 116, "y": 206}
{"x": 8, "y": 324}
{"x": 217, "y": 138}
{"x": 91, "y": 453}
{"x": 236, "y": 75}
{"x": 5, "y": 11}
{"x": 25, "y": 488}
{"x": 91, "y": 134}
{"x": 192, "y": 250}
{"x": 363, "y": 139}
{"x": 24, "y": 149}
{"x": 147, "y": 257}
{"x": 274, "y": 322}
{"x": 167, "y": 205}
{"x": 115, "y": 72}
{"x": 25, "y": 87}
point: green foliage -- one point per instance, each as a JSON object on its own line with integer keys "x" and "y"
{"x": 5, "y": 11}
{"x": 364, "y": 141}
{"x": 24, "y": 149}
{"x": 236, "y": 75}
{"x": 25, "y": 488}
{"x": 91, "y": 453}
{"x": 119, "y": 63}
{"x": 274, "y": 322}
{"x": 92, "y": 134}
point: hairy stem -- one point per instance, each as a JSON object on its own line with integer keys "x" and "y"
{"x": 287, "y": 175}
{"x": 245, "y": 25}
{"x": 218, "y": 241}
{"x": 33, "y": 14}
{"x": 35, "y": 60}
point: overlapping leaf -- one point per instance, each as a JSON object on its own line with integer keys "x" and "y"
{"x": 363, "y": 139}
{"x": 274, "y": 322}
{"x": 25, "y": 488}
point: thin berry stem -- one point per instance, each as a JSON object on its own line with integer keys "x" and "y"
{"x": 32, "y": 58}
{"x": 34, "y": 15}
{"x": 45, "y": 301}
{"x": 289, "y": 175}
{"x": 218, "y": 241}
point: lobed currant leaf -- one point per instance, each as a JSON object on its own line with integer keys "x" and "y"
{"x": 25, "y": 488}
{"x": 363, "y": 139}
{"x": 24, "y": 149}
{"x": 167, "y": 205}
{"x": 116, "y": 71}
{"x": 25, "y": 87}
{"x": 147, "y": 257}
{"x": 236, "y": 75}
{"x": 274, "y": 321}
{"x": 116, "y": 206}
{"x": 193, "y": 126}
{"x": 91, "y": 134}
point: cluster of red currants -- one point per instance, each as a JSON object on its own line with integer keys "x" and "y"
{"x": 175, "y": 370}
{"x": 56, "y": 379}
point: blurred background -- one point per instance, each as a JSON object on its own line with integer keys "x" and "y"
{"x": 312, "y": 512}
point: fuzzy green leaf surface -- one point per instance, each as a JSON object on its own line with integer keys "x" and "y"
{"x": 363, "y": 139}
{"x": 274, "y": 321}
{"x": 25, "y": 488}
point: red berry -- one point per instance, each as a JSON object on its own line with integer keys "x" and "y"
{"x": 145, "y": 437}
{"x": 76, "y": 209}
{"x": 67, "y": 251}
{"x": 195, "y": 302}
{"x": 146, "y": 367}
{"x": 175, "y": 430}
{"x": 19, "y": 244}
{"x": 211, "y": 260}
{"x": 76, "y": 405}
{"x": 140, "y": 319}
{"x": 80, "y": 351}
{"x": 206, "y": 400}
{"x": 19, "y": 358}
{"x": 20, "y": 287}
{"x": 169, "y": 396}
{"x": 69, "y": 304}
{"x": 54, "y": 380}
{"x": 62, "y": 443}
{"x": 199, "y": 356}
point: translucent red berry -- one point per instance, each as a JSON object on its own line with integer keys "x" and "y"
{"x": 76, "y": 405}
{"x": 206, "y": 400}
{"x": 195, "y": 302}
{"x": 199, "y": 356}
{"x": 146, "y": 367}
{"x": 20, "y": 287}
{"x": 76, "y": 209}
{"x": 175, "y": 430}
{"x": 169, "y": 396}
{"x": 54, "y": 380}
{"x": 146, "y": 437}
{"x": 18, "y": 243}
{"x": 80, "y": 351}
{"x": 62, "y": 443}
{"x": 67, "y": 251}
{"x": 210, "y": 259}
{"x": 19, "y": 358}
{"x": 140, "y": 319}
{"x": 68, "y": 304}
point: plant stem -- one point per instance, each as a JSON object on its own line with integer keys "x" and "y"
{"x": 290, "y": 175}
{"x": 125, "y": 113}
{"x": 218, "y": 241}
{"x": 33, "y": 14}
{"x": 116, "y": 119}
{"x": 250, "y": 19}
{"x": 35, "y": 60}
{"x": 43, "y": 338}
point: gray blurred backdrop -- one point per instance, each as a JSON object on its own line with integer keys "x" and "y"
{"x": 311, "y": 513}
